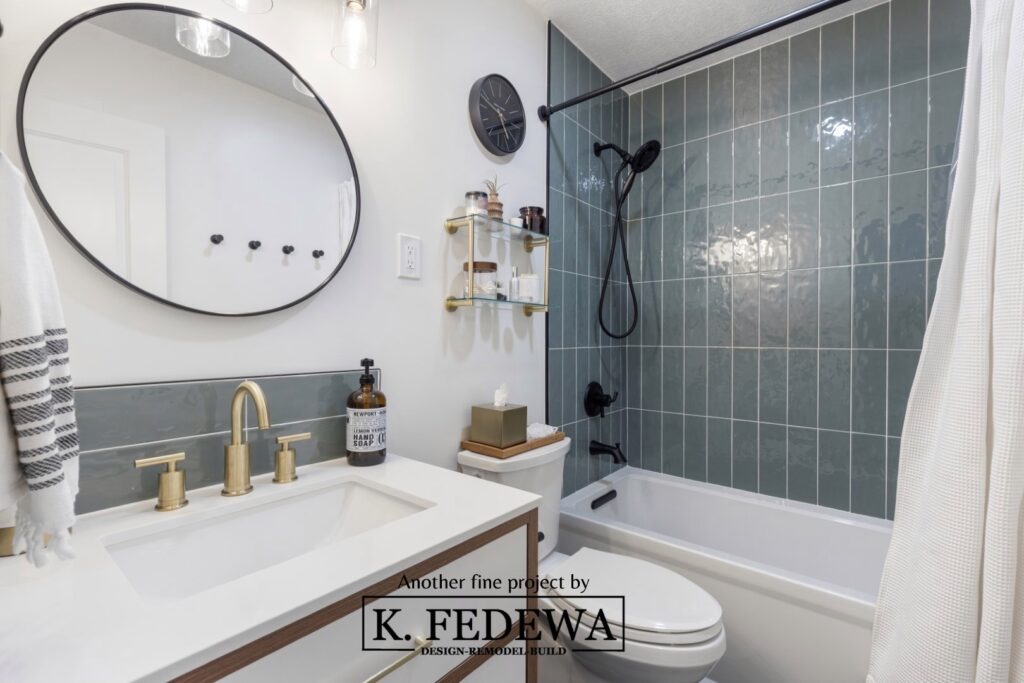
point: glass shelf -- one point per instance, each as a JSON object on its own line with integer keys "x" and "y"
{"x": 453, "y": 303}
{"x": 496, "y": 228}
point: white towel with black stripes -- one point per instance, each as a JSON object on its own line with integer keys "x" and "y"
{"x": 38, "y": 432}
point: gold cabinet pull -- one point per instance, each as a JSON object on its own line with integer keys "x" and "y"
{"x": 284, "y": 457}
{"x": 421, "y": 643}
{"x": 171, "y": 492}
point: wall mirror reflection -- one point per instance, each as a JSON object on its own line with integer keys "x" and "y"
{"x": 187, "y": 160}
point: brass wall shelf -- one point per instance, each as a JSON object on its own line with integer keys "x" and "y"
{"x": 493, "y": 228}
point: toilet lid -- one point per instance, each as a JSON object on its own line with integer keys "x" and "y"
{"x": 657, "y": 600}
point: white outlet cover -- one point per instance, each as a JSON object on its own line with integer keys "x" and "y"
{"x": 410, "y": 255}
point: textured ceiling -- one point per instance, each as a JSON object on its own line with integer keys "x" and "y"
{"x": 626, "y": 36}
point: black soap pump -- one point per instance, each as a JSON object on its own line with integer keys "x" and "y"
{"x": 366, "y": 441}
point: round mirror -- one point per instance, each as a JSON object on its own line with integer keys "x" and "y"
{"x": 187, "y": 160}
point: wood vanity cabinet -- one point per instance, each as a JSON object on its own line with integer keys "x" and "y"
{"x": 326, "y": 645}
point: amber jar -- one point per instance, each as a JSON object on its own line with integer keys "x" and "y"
{"x": 534, "y": 220}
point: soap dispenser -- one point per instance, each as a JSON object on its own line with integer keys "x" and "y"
{"x": 366, "y": 442}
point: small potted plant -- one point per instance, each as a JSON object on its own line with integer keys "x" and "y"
{"x": 495, "y": 209}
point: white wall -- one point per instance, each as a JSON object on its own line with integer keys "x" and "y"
{"x": 406, "y": 121}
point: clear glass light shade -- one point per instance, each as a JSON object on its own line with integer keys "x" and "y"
{"x": 301, "y": 87}
{"x": 355, "y": 33}
{"x": 251, "y": 6}
{"x": 202, "y": 36}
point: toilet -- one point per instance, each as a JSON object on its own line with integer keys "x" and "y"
{"x": 672, "y": 628}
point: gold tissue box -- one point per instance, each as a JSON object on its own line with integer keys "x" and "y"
{"x": 498, "y": 426}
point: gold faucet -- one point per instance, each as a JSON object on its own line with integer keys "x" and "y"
{"x": 236, "y": 454}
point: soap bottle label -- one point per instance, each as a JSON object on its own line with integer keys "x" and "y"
{"x": 367, "y": 430}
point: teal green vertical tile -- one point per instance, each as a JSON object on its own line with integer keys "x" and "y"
{"x": 771, "y": 457}
{"x": 651, "y": 359}
{"x": 697, "y": 105}
{"x": 802, "y": 461}
{"x": 555, "y": 310}
{"x": 674, "y": 317}
{"x": 747, "y": 88}
{"x": 719, "y": 311}
{"x": 837, "y": 142}
{"x": 554, "y": 387}
{"x": 720, "y": 382}
{"x": 949, "y": 22}
{"x": 746, "y": 163}
{"x": 908, "y": 126}
{"x": 720, "y": 452}
{"x": 674, "y": 185}
{"x": 744, "y": 455}
{"x": 696, "y": 182}
{"x": 775, "y": 80}
{"x": 674, "y": 112}
{"x": 902, "y": 368}
{"x": 696, "y": 323}
{"x": 696, "y": 448}
{"x": 772, "y": 386}
{"x": 746, "y": 232}
{"x": 945, "y": 93}
{"x": 867, "y": 485}
{"x": 803, "y": 388}
{"x": 773, "y": 248}
{"x": 834, "y": 470}
{"x": 674, "y": 249}
{"x": 870, "y": 305}
{"x": 803, "y": 308}
{"x": 673, "y": 444}
{"x": 803, "y": 229}
{"x": 569, "y": 466}
{"x": 837, "y": 60}
{"x": 867, "y": 411}
{"x": 871, "y": 49}
{"x": 650, "y": 441}
{"x": 570, "y": 282}
{"x": 652, "y": 261}
{"x": 938, "y": 207}
{"x": 720, "y": 168}
{"x": 933, "y": 281}
{"x": 746, "y": 302}
{"x": 634, "y": 437}
{"x": 834, "y": 292}
{"x": 871, "y": 220}
{"x": 556, "y": 65}
{"x": 653, "y": 188}
{"x": 774, "y": 288}
{"x": 804, "y": 62}
{"x": 633, "y": 377}
{"x": 908, "y": 216}
{"x": 696, "y": 380}
{"x": 720, "y": 97}
{"x": 892, "y": 466}
{"x": 774, "y": 156}
{"x": 908, "y": 42}
{"x": 674, "y": 382}
{"x": 871, "y": 135}
{"x": 907, "y": 304}
{"x": 695, "y": 248}
{"x": 651, "y": 313}
{"x": 836, "y": 225}
{"x": 570, "y": 381}
{"x": 834, "y": 385}
{"x": 803, "y": 149}
{"x": 744, "y": 383}
{"x": 720, "y": 245}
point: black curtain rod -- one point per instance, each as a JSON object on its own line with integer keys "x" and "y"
{"x": 545, "y": 111}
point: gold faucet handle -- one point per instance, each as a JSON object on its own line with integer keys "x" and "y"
{"x": 284, "y": 458}
{"x": 171, "y": 492}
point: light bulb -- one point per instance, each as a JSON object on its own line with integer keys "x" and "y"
{"x": 355, "y": 34}
{"x": 251, "y": 6}
{"x": 202, "y": 36}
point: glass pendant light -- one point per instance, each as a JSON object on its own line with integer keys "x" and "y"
{"x": 355, "y": 34}
{"x": 202, "y": 36}
{"x": 251, "y": 6}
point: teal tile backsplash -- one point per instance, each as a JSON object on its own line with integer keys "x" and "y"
{"x": 121, "y": 423}
{"x": 786, "y": 249}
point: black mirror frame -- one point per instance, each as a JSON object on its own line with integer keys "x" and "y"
{"x": 52, "y": 214}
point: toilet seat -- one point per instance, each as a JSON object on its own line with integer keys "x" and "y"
{"x": 661, "y": 607}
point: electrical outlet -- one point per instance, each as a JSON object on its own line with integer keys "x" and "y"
{"x": 410, "y": 251}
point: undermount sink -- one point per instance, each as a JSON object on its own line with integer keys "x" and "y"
{"x": 179, "y": 560}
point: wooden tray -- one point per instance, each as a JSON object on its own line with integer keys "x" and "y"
{"x": 502, "y": 453}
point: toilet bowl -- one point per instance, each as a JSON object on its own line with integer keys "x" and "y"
{"x": 665, "y": 627}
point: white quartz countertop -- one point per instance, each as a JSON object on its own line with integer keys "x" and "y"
{"x": 83, "y": 621}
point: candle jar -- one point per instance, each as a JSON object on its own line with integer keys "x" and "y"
{"x": 476, "y": 203}
{"x": 485, "y": 279}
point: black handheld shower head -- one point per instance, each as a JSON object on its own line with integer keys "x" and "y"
{"x": 645, "y": 156}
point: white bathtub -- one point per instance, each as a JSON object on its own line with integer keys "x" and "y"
{"x": 797, "y": 582}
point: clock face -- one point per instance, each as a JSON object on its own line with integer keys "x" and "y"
{"x": 497, "y": 114}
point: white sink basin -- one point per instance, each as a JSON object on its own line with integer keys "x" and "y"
{"x": 180, "y": 558}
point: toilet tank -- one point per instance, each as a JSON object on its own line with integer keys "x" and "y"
{"x": 538, "y": 471}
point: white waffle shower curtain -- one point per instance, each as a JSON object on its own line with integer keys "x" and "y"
{"x": 951, "y": 605}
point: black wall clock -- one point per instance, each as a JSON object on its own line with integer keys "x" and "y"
{"x": 497, "y": 114}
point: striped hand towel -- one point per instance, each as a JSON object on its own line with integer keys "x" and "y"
{"x": 38, "y": 434}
